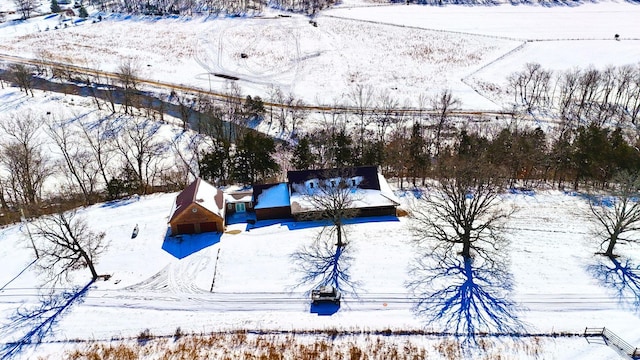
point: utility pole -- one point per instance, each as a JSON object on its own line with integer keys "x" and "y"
{"x": 26, "y": 225}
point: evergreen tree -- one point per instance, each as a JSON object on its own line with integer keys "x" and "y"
{"x": 254, "y": 107}
{"x": 590, "y": 156}
{"x": 372, "y": 153}
{"x": 254, "y": 161}
{"x": 303, "y": 158}
{"x": 472, "y": 147}
{"x": 561, "y": 159}
{"x": 83, "y": 12}
{"x": 55, "y": 7}
{"x": 341, "y": 151}
{"x": 624, "y": 156}
{"x": 520, "y": 154}
{"x": 124, "y": 185}
{"x": 214, "y": 164}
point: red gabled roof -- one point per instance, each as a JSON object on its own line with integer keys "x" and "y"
{"x": 203, "y": 193}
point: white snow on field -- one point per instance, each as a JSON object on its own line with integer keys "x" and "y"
{"x": 405, "y": 51}
{"x": 588, "y": 21}
{"x": 257, "y": 286}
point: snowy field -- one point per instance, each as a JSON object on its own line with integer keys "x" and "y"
{"x": 404, "y": 51}
{"x": 257, "y": 285}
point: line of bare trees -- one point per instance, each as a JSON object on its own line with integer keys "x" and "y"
{"x": 211, "y": 7}
{"x": 84, "y": 157}
{"x": 580, "y": 96}
{"x": 126, "y": 152}
{"x": 184, "y": 7}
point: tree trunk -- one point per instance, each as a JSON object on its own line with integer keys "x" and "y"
{"x": 466, "y": 247}
{"x": 609, "y": 251}
{"x": 94, "y": 274}
{"x": 339, "y": 231}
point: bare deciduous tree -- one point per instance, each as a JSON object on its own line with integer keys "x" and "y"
{"x": 333, "y": 200}
{"x": 185, "y": 106}
{"x": 462, "y": 213}
{"x": 280, "y": 116}
{"x": 361, "y": 97}
{"x": 77, "y": 161}
{"x": 233, "y": 112}
{"x": 65, "y": 242}
{"x": 142, "y": 150}
{"x": 617, "y": 220}
{"x": 110, "y": 94}
{"x": 128, "y": 77}
{"x": 24, "y": 158}
{"x": 442, "y": 104}
{"x": 21, "y": 75}
{"x": 98, "y": 137}
{"x": 298, "y": 114}
{"x": 25, "y": 7}
{"x": 531, "y": 86}
{"x": 387, "y": 114}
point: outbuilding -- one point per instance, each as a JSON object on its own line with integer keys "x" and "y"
{"x": 198, "y": 208}
{"x": 272, "y": 201}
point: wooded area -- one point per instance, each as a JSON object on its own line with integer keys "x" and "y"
{"x": 568, "y": 130}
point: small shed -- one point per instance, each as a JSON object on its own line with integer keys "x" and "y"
{"x": 198, "y": 208}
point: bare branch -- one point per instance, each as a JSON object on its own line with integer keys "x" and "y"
{"x": 66, "y": 243}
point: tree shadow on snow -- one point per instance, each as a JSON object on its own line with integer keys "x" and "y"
{"x": 322, "y": 264}
{"x": 121, "y": 202}
{"x": 39, "y": 321}
{"x": 620, "y": 275}
{"x": 463, "y": 298}
{"x": 309, "y": 224}
{"x": 181, "y": 246}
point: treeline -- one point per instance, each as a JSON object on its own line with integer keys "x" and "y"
{"x": 209, "y": 7}
{"x": 126, "y": 152}
{"x": 546, "y": 3}
{"x": 577, "y": 97}
{"x": 526, "y": 157}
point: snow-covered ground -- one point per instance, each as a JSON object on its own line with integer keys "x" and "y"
{"x": 246, "y": 279}
{"x": 408, "y": 50}
{"x": 405, "y": 51}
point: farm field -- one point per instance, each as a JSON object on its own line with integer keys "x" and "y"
{"x": 405, "y": 51}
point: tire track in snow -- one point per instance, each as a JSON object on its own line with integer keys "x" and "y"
{"x": 178, "y": 277}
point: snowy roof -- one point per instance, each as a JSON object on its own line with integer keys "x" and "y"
{"x": 202, "y": 193}
{"x": 366, "y": 176}
{"x": 386, "y": 191}
{"x": 275, "y": 196}
{"x": 372, "y": 189}
{"x": 239, "y": 196}
{"x": 361, "y": 199}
